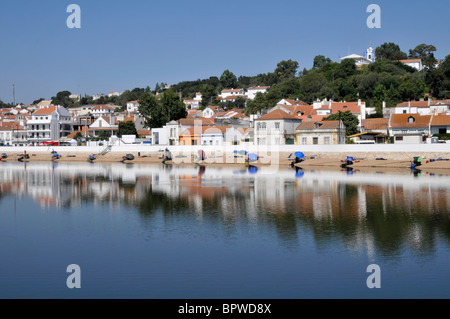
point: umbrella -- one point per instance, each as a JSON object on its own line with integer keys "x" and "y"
{"x": 130, "y": 157}
{"x": 299, "y": 155}
{"x": 350, "y": 158}
{"x": 252, "y": 157}
{"x": 253, "y": 169}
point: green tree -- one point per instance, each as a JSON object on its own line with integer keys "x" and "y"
{"x": 286, "y": 69}
{"x": 228, "y": 79}
{"x": 38, "y": 101}
{"x": 208, "y": 94}
{"x": 425, "y": 53}
{"x": 320, "y": 61}
{"x": 412, "y": 89}
{"x": 350, "y": 121}
{"x": 105, "y": 135}
{"x": 62, "y": 98}
{"x": 126, "y": 128}
{"x": 389, "y": 51}
{"x": 78, "y": 135}
{"x": 174, "y": 106}
{"x": 152, "y": 110}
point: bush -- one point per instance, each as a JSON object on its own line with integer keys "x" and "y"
{"x": 443, "y": 137}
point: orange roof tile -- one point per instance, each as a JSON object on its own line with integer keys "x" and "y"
{"x": 441, "y": 120}
{"x": 277, "y": 115}
{"x": 375, "y": 124}
{"x": 46, "y": 110}
{"x": 401, "y": 120}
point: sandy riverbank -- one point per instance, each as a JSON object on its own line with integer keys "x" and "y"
{"x": 321, "y": 160}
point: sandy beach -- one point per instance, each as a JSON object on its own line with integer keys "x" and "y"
{"x": 324, "y": 161}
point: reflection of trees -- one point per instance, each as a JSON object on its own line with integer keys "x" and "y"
{"x": 389, "y": 217}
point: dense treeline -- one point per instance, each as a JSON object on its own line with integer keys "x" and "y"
{"x": 384, "y": 80}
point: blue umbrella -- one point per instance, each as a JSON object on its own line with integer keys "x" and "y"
{"x": 252, "y": 157}
{"x": 299, "y": 155}
{"x": 253, "y": 169}
{"x": 350, "y": 158}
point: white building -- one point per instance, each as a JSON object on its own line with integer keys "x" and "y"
{"x": 12, "y": 134}
{"x": 132, "y": 106}
{"x": 113, "y": 93}
{"x": 160, "y": 136}
{"x": 276, "y": 128}
{"x": 252, "y": 91}
{"x": 414, "y": 63}
{"x": 49, "y": 124}
{"x": 102, "y": 110}
{"x": 104, "y": 123}
{"x": 213, "y": 135}
{"x": 231, "y": 92}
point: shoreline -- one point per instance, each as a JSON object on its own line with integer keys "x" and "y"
{"x": 363, "y": 160}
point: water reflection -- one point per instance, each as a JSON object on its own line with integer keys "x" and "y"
{"x": 370, "y": 212}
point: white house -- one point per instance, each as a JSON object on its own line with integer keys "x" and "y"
{"x": 253, "y": 90}
{"x": 440, "y": 124}
{"x": 213, "y": 135}
{"x": 102, "y": 110}
{"x": 413, "y": 107}
{"x": 359, "y": 60}
{"x": 113, "y": 93}
{"x": 12, "y": 134}
{"x": 132, "y": 106}
{"x": 49, "y": 124}
{"x": 409, "y": 128}
{"x": 414, "y": 63}
{"x": 232, "y": 92}
{"x": 323, "y": 132}
{"x": 104, "y": 123}
{"x": 276, "y": 128}
{"x": 160, "y": 136}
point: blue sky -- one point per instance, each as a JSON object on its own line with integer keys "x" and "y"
{"x": 126, "y": 44}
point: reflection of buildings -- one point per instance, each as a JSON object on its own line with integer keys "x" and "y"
{"x": 362, "y": 210}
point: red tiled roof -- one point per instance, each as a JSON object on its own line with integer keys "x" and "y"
{"x": 277, "y": 115}
{"x": 46, "y": 110}
{"x": 413, "y": 104}
{"x": 196, "y": 121}
{"x": 345, "y": 106}
{"x": 9, "y": 126}
{"x": 441, "y": 120}
{"x": 325, "y": 125}
{"x": 375, "y": 124}
{"x": 102, "y": 107}
{"x": 401, "y": 120}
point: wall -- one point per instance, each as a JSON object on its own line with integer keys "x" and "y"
{"x": 347, "y": 148}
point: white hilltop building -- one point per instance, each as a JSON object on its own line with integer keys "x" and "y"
{"x": 362, "y": 60}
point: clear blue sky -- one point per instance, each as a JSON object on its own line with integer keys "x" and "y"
{"x": 126, "y": 44}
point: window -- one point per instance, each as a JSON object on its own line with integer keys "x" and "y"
{"x": 277, "y": 126}
{"x": 304, "y": 140}
{"x": 326, "y": 140}
{"x": 263, "y": 125}
{"x": 404, "y": 111}
{"x": 399, "y": 138}
{"x": 411, "y": 119}
{"x": 315, "y": 140}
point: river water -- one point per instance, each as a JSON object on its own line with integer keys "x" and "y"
{"x": 188, "y": 232}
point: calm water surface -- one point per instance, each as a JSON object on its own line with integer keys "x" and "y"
{"x": 140, "y": 231}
